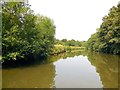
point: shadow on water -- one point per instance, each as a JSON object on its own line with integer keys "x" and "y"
{"x": 26, "y": 62}
{"x": 37, "y": 60}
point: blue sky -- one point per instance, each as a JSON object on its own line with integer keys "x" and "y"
{"x": 74, "y": 19}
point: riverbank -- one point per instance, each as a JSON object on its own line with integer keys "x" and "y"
{"x": 33, "y": 59}
{"x": 60, "y": 49}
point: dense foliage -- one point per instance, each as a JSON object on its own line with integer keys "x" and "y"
{"x": 107, "y": 37}
{"x": 24, "y": 33}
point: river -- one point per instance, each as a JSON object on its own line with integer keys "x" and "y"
{"x": 67, "y": 70}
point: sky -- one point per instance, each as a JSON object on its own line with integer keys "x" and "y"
{"x": 74, "y": 19}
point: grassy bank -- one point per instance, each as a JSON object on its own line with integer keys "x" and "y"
{"x": 60, "y": 49}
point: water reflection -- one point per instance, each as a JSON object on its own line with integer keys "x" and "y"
{"x": 76, "y": 72}
{"x": 0, "y": 78}
{"x": 32, "y": 77}
{"x": 67, "y": 70}
{"x": 107, "y": 67}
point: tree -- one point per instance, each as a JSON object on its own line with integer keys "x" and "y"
{"x": 107, "y": 37}
{"x": 25, "y": 34}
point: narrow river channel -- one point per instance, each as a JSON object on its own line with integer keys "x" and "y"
{"x": 67, "y": 70}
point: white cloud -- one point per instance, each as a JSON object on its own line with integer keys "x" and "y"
{"x": 74, "y": 19}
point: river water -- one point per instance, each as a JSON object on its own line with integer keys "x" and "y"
{"x": 67, "y": 70}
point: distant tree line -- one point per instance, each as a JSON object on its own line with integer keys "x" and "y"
{"x": 25, "y": 34}
{"x": 107, "y": 37}
{"x": 72, "y": 42}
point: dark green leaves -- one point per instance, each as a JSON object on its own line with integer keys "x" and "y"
{"x": 25, "y": 34}
{"x": 107, "y": 37}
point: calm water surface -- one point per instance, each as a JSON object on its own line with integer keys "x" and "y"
{"x": 67, "y": 70}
